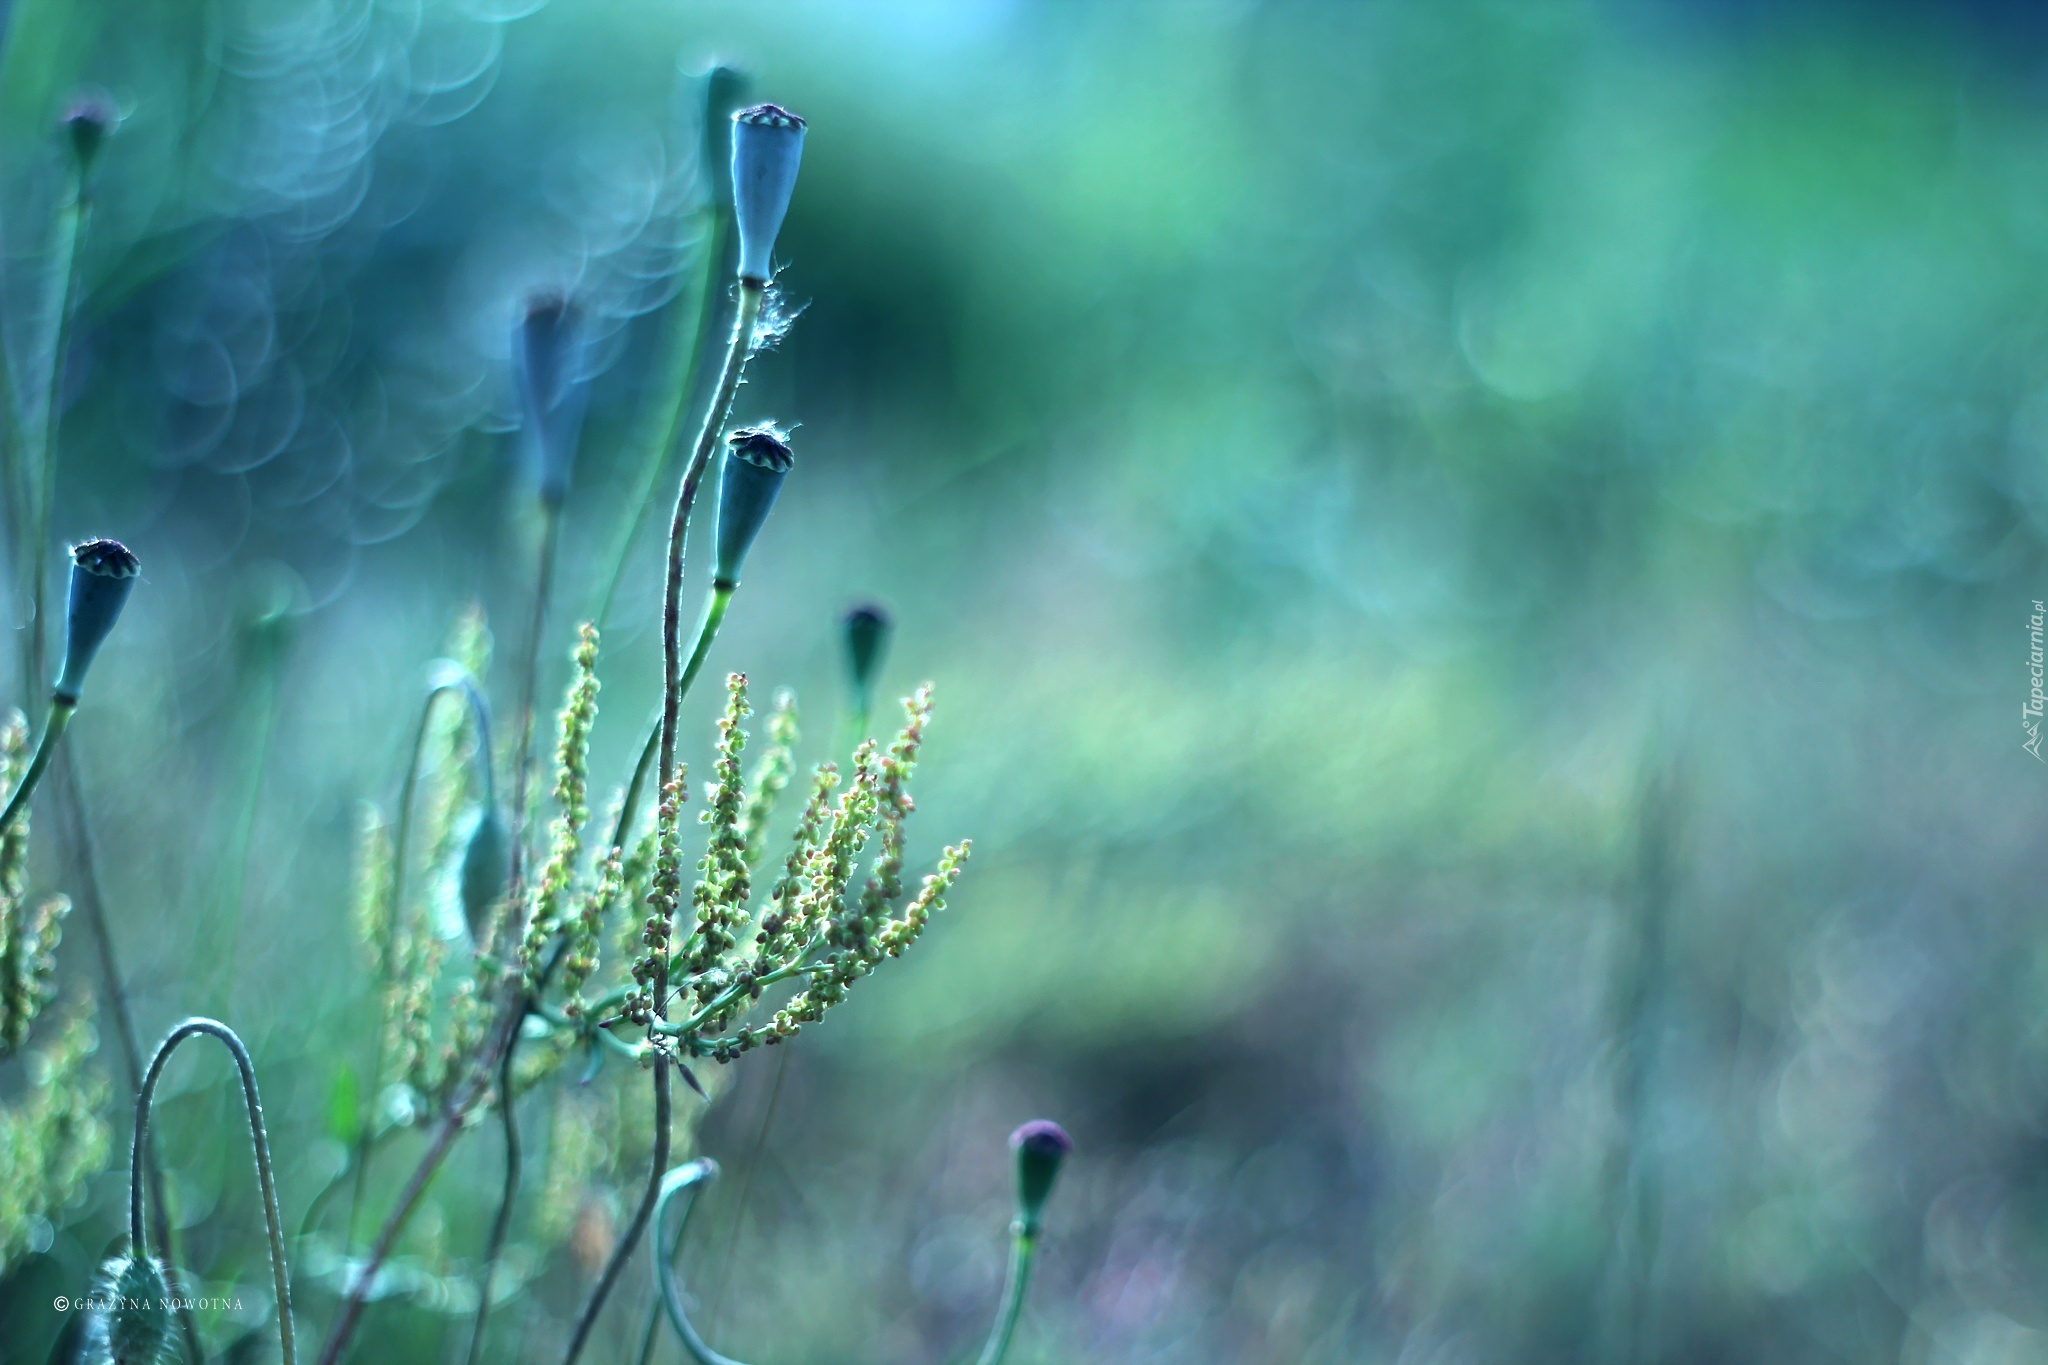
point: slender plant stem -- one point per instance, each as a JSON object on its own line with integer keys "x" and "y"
{"x": 395, "y": 902}
{"x": 1023, "y": 1244}
{"x": 280, "y": 1276}
{"x": 237, "y": 856}
{"x": 502, "y": 1224}
{"x": 46, "y": 748}
{"x": 76, "y": 830}
{"x": 667, "y": 1283}
{"x": 739, "y": 1207}
{"x": 71, "y": 226}
{"x": 630, "y": 1238}
{"x": 452, "y": 1122}
{"x": 529, "y": 683}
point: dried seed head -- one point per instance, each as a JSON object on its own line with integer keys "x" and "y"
{"x": 135, "y": 1327}
{"x": 756, "y": 461}
{"x": 87, "y": 121}
{"x": 553, "y": 393}
{"x": 102, "y": 574}
{"x": 1041, "y": 1145}
{"x": 767, "y": 144}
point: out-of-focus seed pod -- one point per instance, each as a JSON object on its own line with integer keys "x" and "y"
{"x": 1041, "y": 1145}
{"x": 553, "y": 394}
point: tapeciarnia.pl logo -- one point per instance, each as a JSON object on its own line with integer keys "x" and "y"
{"x": 2037, "y": 699}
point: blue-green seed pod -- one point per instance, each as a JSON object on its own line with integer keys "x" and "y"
{"x": 103, "y": 573}
{"x": 867, "y": 644}
{"x": 553, "y": 394}
{"x": 135, "y": 1326}
{"x": 767, "y": 144}
{"x": 1041, "y": 1145}
{"x": 88, "y": 120}
{"x": 757, "y": 459}
{"x": 486, "y": 866}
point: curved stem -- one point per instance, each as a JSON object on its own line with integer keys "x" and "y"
{"x": 502, "y": 1224}
{"x": 669, "y": 1286}
{"x": 46, "y": 749}
{"x": 76, "y": 830}
{"x": 274, "y": 1223}
{"x": 1022, "y": 1244}
{"x": 630, "y": 1238}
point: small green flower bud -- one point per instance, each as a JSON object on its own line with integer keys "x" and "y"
{"x": 867, "y": 644}
{"x": 135, "y": 1327}
{"x": 102, "y": 574}
{"x": 1041, "y": 1145}
{"x": 553, "y": 393}
{"x": 486, "y": 865}
{"x": 87, "y": 122}
{"x": 756, "y": 461}
{"x": 767, "y": 144}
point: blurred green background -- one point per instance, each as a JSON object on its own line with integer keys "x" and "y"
{"x": 1476, "y": 557}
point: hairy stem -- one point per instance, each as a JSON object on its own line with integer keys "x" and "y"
{"x": 280, "y": 1277}
{"x": 630, "y": 1238}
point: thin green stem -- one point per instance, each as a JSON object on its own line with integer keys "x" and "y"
{"x": 43, "y": 456}
{"x": 395, "y": 900}
{"x": 1022, "y": 1244}
{"x": 684, "y": 1179}
{"x": 76, "y": 831}
{"x": 54, "y": 725}
{"x": 502, "y": 1224}
{"x": 529, "y": 682}
{"x": 630, "y": 1238}
{"x": 280, "y": 1276}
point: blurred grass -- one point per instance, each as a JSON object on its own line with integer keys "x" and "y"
{"x": 1317, "y": 449}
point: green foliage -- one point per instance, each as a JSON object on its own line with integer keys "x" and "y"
{"x": 53, "y": 1138}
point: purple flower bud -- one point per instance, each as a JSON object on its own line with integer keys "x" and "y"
{"x": 1041, "y": 1145}
{"x": 88, "y": 119}
{"x": 767, "y": 144}
{"x": 756, "y": 461}
{"x": 102, "y": 575}
{"x": 548, "y": 355}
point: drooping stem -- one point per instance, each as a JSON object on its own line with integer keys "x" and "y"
{"x": 502, "y": 1224}
{"x": 630, "y": 1238}
{"x": 46, "y": 749}
{"x": 667, "y": 1283}
{"x": 395, "y": 900}
{"x": 259, "y": 1141}
{"x": 76, "y": 830}
{"x": 1023, "y": 1242}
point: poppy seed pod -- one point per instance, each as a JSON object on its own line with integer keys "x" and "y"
{"x": 767, "y": 144}
{"x": 756, "y": 461}
{"x": 867, "y": 644}
{"x": 548, "y": 354}
{"x": 1041, "y": 1145}
{"x": 102, "y": 575}
{"x": 87, "y": 121}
